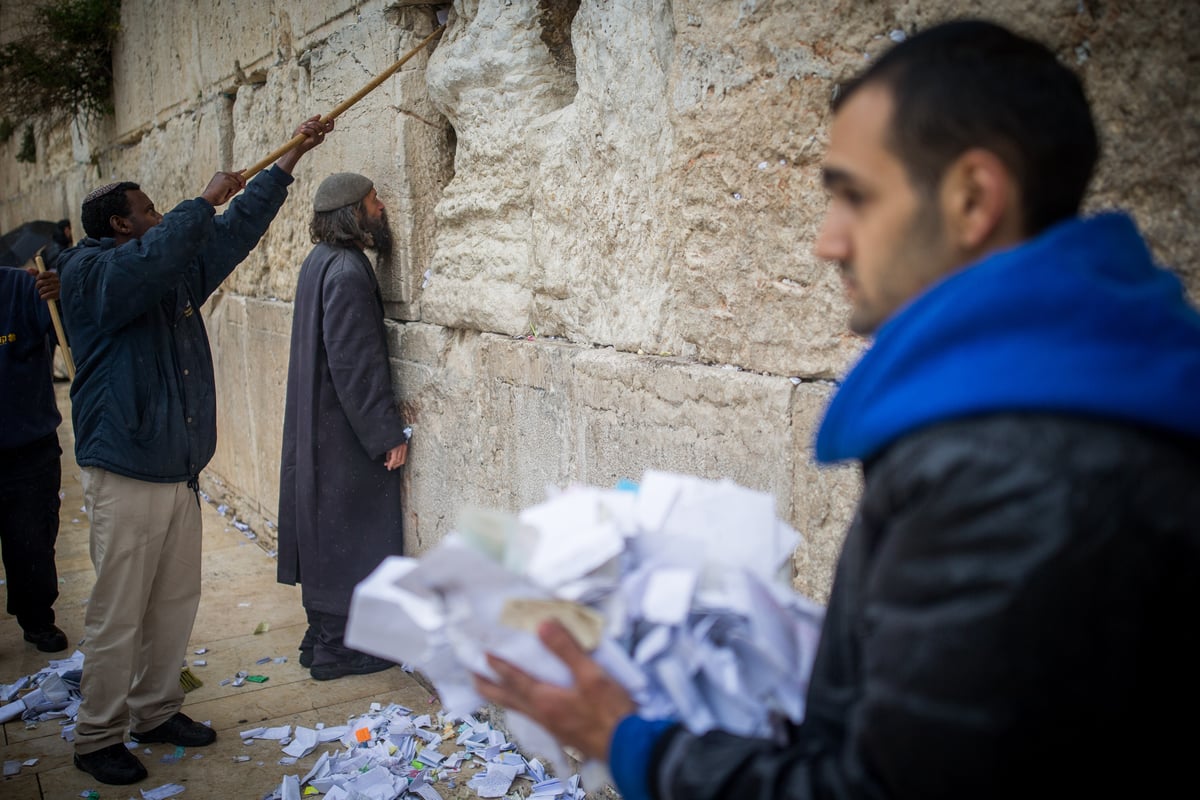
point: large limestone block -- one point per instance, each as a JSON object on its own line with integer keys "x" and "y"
{"x": 51, "y": 187}
{"x": 395, "y": 118}
{"x": 498, "y": 419}
{"x": 823, "y": 497}
{"x": 171, "y": 55}
{"x": 172, "y": 162}
{"x": 661, "y": 209}
{"x": 252, "y": 339}
{"x": 670, "y": 204}
{"x": 491, "y": 75}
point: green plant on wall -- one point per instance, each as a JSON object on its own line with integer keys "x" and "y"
{"x": 28, "y": 152}
{"x": 61, "y": 63}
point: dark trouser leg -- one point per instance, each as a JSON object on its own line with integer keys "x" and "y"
{"x": 309, "y": 640}
{"x": 330, "y": 631}
{"x": 30, "y": 477}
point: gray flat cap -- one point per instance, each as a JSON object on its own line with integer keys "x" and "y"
{"x": 341, "y": 189}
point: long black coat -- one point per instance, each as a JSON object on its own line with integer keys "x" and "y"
{"x": 339, "y": 508}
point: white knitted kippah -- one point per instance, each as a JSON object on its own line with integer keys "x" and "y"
{"x": 103, "y": 190}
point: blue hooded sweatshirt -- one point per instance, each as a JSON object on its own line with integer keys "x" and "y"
{"x": 1078, "y": 320}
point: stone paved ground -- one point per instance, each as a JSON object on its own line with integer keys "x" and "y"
{"x": 239, "y": 594}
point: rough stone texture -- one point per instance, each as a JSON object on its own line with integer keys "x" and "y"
{"x": 605, "y": 210}
{"x": 251, "y": 370}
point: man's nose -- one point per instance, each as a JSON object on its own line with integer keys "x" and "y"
{"x": 832, "y": 243}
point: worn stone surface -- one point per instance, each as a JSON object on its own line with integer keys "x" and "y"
{"x": 244, "y": 616}
{"x": 633, "y": 185}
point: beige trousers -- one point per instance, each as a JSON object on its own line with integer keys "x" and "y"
{"x": 145, "y": 544}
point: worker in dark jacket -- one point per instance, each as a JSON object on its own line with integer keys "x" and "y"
{"x": 144, "y": 409}
{"x": 343, "y": 436}
{"x": 30, "y": 471}
{"x": 1013, "y": 613}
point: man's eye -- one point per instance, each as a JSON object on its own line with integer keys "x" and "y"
{"x": 854, "y": 198}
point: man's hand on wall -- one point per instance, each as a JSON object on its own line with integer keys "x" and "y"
{"x": 396, "y": 457}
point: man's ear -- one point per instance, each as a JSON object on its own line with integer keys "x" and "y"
{"x": 980, "y": 201}
{"x": 120, "y": 225}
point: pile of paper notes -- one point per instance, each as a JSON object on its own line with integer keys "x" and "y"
{"x": 55, "y": 692}
{"x": 391, "y": 753}
{"x": 677, "y": 585}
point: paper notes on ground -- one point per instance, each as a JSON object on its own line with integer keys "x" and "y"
{"x": 673, "y": 583}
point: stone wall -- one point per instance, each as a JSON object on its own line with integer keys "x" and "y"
{"x": 607, "y": 212}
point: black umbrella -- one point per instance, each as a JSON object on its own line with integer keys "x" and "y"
{"x": 20, "y": 244}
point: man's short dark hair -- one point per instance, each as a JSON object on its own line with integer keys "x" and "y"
{"x": 100, "y": 206}
{"x": 342, "y": 226}
{"x": 972, "y": 83}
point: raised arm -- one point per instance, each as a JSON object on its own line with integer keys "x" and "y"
{"x": 239, "y": 229}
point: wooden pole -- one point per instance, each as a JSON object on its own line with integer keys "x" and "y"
{"x": 58, "y": 326}
{"x": 345, "y": 104}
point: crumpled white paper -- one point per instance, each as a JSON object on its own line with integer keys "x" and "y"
{"x": 679, "y": 579}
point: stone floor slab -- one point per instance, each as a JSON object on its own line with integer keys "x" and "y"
{"x": 239, "y": 593}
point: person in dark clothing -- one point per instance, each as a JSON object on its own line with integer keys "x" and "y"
{"x": 62, "y": 233}
{"x": 30, "y": 471}
{"x": 1012, "y": 611}
{"x": 60, "y": 240}
{"x": 343, "y": 435}
{"x": 144, "y": 409}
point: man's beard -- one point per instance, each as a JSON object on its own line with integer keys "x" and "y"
{"x": 382, "y": 240}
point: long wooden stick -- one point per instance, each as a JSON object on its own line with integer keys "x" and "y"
{"x": 345, "y": 104}
{"x": 58, "y": 328}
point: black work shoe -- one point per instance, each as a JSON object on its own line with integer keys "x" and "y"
{"x": 113, "y": 764}
{"x": 179, "y": 730}
{"x": 357, "y": 664}
{"x": 48, "y": 640}
{"x": 306, "y": 657}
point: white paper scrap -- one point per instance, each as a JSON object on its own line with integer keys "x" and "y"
{"x": 680, "y": 579}
{"x": 428, "y": 756}
{"x": 495, "y": 782}
{"x": 275, "y": 734}
{"x": 325, "y": 735}
{"x": 305, "y": 742}
{"x": 289, "y": 788}
{"x": 163, "y": 792}
{"x": 668, "y": 595}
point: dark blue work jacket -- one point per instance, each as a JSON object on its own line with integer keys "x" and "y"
{"x": 143, "y": 402}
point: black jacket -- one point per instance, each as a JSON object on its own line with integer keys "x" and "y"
{"x": 1014, "y": 615}
{"x": 339, "y": 507}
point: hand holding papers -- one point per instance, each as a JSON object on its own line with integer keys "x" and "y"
{"x": 582, "y": 715}
{"x": 674, "y": 589}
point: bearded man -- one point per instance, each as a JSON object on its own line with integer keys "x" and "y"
{"x": 343, "y": 435}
